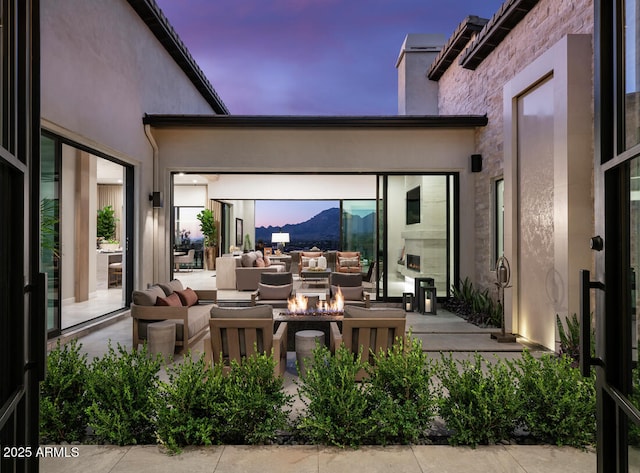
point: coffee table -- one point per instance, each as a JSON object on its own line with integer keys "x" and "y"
{"x": 315, "y": 277}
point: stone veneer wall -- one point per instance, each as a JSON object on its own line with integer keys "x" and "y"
{"x": 464, "y": 91}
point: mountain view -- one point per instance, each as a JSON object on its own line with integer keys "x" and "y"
{"x": 321, "y": 230}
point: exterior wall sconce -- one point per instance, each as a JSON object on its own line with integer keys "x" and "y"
{"x": 407, "y": 301}
{"x": 156, "y": 199}
{"x": 476, "y": 162}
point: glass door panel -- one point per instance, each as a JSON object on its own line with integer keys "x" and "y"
{"x": 358, "y": 230}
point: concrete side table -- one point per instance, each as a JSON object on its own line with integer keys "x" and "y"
{"x": 305, "y": 343}
{"x": 161, "y": 338}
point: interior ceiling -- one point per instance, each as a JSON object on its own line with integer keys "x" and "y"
{"x": 108, "y": 172}
{"x": 283, "y": 186}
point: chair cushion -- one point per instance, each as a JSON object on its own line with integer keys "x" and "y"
{"x": 147, "y": 297}
{"x": 346, "y": 279}
{"x": 371, "y": 313}
{"x": 188, "y": 297}
{"x": 268, "y": 291}
{"x": 172, "y": 300}
{"x": 348, "y": 292}
{"x": 255, "y": 312}
{"x": 276, "y": 278}
{"x": 171, "y": 286}
{"x": 198, "y": 320}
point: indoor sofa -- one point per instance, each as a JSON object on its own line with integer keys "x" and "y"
{"x": 171, "y": 301}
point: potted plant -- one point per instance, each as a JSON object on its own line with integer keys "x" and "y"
{"x": 106, "y": 229}
{"x": 209, "y": 229}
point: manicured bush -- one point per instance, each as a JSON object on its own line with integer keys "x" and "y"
{"x": 256, "y": 406}
{"x": 122, "y": 387}
{"x": 401, "y": 389}
{"x": 479, "y": 405}
{"x": 190, "y": 406}
{"x": 558, "y": 404}
{"x": 338, "y": 410}
{"x": 62, "y": 394}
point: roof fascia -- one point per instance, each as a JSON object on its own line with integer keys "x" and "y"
{"x": 264, "y": 121}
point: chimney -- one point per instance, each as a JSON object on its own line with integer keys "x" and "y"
{"x": 417, "y": 95}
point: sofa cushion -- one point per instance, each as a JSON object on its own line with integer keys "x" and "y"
{"x": 188, "y": 297}
{"x": 248, "y": 259}
{"x": 147, "y": 297}
{"x": 268, "y": 291}
{"x": 373, "y": 313}
{"x": 172, "y": 300}
{"x": 255, "y": 312}
{"x": 348, "y": 292}
{"x": 171, "y": 286}
{"x": 198, "y": 320}
{"x": 267, "y": 261}
{"x": 260, "y": 263}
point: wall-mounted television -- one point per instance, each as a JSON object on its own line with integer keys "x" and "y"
{"x": 413, "y": 206}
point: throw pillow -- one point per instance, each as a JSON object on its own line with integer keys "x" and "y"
{"x": 267, "y": 261}
{"x": 188, "y": 297}
{"x": 171, "y": 286}
{"x": 248, "y": 259}
{"x": 275, "y": 292}
{"x": 172, "y": 300}
{"x": 349, "y": 262}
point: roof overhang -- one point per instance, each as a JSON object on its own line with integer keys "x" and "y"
{"x": 500, "y": 25}
{"x": 265, "y": 121}
{"x": 456, "y": 44}
{"x": 155, "y": 20}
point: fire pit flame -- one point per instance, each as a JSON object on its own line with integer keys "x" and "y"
{"x": 299, "y": 305}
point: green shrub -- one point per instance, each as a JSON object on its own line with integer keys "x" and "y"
{"x": 478, "y": 406}
{"x": 338, "y": 410}
{"x": 559, "y": 405}
{"x": 401, "y": 389}
{"x": 122, "y": 387}
{"x": 256, "y": 406}
{"x": 190, "y": 406}
{"x": 634, "y": 430}
{"x": 62, "y": 394}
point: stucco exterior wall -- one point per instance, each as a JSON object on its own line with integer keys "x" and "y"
{"x": 463, "y": 91}
{"x": 102, "y": 70}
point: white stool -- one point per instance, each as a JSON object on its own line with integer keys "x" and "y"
{"x": 305, "y": 343}
{"x": 161, "y": 338}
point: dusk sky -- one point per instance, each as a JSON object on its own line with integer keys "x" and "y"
{"x": 309, "y": 57}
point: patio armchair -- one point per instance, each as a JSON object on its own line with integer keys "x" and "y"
{"x": 273, "y": 289}
{"x": 305, "y": 257}
{"x": 369, "y": 330}
{"x": 351, "y": 287}
{"x": 188, "y": 259}
{"x": 348, "y": 262}
{"x": 238, "y": 332}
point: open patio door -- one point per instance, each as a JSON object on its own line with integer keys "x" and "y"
{"x": 22, "y": 288}
{"x": 617, "y": 204}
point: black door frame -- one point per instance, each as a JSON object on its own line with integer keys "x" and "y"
{"x": 23, "y": 288}
{"x": 612, "y": 193}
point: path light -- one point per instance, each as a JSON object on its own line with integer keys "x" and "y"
{"x": 503, "y": 279}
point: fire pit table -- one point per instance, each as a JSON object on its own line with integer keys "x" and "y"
{"x": 309, "y": 320}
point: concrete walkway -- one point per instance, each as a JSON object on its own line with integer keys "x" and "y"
{"x": 444, "y": 332}
{"x": 312, "y": 459}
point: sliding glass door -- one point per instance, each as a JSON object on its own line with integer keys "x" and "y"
{"x": 418, "y": 231}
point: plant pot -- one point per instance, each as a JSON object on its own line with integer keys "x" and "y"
{"x": 109, "y": 246}
{"x": 210, "y": 257}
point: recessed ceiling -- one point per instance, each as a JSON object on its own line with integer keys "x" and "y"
{"x": 108, "y": 172}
